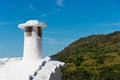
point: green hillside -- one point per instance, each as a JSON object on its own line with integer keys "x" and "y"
{"x": 96, "y": 57}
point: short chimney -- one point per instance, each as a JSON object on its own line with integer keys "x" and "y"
{"x": 32, "y": 39}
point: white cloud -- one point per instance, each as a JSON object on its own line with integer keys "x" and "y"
{"x": 31, "y": 6}
{"x": 109, "y": 24}
{"x": 52, "y": 41}
{"x": 60, "y": 3}
{"x": 50, "y": 32}
{"x": 51, "y": 13}
{"x": 4, "y": 23}
{"x": 114, "y": 24}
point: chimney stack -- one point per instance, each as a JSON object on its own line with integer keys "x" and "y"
{"x": 32, "y": 40}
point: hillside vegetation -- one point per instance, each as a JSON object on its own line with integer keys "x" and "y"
{"x": 96, "y": 57}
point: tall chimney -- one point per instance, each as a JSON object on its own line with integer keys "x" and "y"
{"x": 32, "y": 40}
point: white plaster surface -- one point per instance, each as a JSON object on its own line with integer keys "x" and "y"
{"x": 17, "y": 69}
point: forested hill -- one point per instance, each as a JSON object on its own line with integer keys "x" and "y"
{"x": 96, "y": 57}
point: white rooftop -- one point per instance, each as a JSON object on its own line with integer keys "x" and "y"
{"x": 17, "y": 69}
{"x": 32, "y": 23}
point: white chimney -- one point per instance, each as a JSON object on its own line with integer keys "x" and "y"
{"x": 32, "y": 40}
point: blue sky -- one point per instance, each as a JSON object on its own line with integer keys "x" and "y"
{"x": 68, "y": 20}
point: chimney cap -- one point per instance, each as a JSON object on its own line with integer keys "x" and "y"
{"x": 32, "y": 23}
